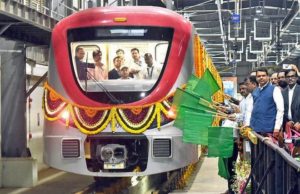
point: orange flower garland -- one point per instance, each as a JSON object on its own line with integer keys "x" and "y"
{"x": 90, "y": 120}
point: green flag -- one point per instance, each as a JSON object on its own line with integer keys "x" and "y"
{"x": 195, "y": 128}
{"x": 206, "y": 86}
{"x": 207, "y": 104}
{"x": 202, "y": 89}
{"x": 220, "y": 142}
{"x": 182, "y": 114}
{"x": 182, "y": 97}
{"x": 223, "y": 168}
{"x": 191, "y": 84}
{"x": 213, "y": 85}
{"x": 183, "y": 101}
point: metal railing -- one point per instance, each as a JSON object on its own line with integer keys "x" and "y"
{"x": 273, "y": 170}
{"x": 55, "y": 11}
{"x": 41, "y": 7}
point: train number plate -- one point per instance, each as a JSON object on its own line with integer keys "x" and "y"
{"x": 114, "y": 166}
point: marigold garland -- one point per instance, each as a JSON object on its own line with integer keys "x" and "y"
{"x": 90, "y": 120}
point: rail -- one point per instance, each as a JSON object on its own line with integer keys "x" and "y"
{"x": 273, "y": 169}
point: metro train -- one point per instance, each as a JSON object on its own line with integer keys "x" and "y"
{"x": 120, "y": 123}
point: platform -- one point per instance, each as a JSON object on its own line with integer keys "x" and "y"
{"x": 206, "y": 180}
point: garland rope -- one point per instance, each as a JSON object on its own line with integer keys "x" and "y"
{"x": 91, "y": 120}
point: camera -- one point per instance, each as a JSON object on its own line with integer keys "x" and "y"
{"x": 286, "y": 66}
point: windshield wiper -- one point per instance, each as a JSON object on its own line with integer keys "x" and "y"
{"x": 109, "y": 94}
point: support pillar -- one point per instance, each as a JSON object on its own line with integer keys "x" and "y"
{"x": 17, "y": 168}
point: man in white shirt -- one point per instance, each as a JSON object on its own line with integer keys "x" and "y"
{"x": 246, "y": 106}
{"x": 137, "y": 66}
{"x": 251, "y": 84}
{"x": 268, "y": 107}
{"x": 152, "y": 71}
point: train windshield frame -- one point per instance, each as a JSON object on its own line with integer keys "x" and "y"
{"x": 119, "y": 64}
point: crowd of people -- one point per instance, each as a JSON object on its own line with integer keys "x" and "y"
{"x": 140, "y": 67}
{"x": 269, "y": 104}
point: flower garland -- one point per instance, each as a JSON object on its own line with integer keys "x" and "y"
{"x": 242, "y": 169}
{"x": 90, "y": 120}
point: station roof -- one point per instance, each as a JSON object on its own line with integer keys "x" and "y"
{"x": 257, "y": 31}
{"x": 24, "y": 23}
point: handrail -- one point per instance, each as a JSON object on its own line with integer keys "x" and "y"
{"x": 273, "y": 169}
{"x": 291, "y": 161}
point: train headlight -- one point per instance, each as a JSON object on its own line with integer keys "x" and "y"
{"x": 112, "y": 153}
{"x": 171, "y": 114}
{"x": 106, "y": 154}
{"x": 143, "y": 94}
{"x": 65, "y": 115}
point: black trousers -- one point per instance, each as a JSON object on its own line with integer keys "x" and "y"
{"x": 230, "y": 165}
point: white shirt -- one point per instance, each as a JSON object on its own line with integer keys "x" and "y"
{"x": 241, "y": 116}
{"x": 246, "y": 107}
{"x": 152, "y": 72}
{"x": 233, "y": 124}
{"x": 278, "y": 99}
{"x": 291, "y": 93}
{"x": 248, "y": 110}
{"x": 138, "y": 66}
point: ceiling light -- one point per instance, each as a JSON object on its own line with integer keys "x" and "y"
{"x": 258, "y": 10}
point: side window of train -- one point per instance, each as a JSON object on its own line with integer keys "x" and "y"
{"x": 161, "y": 52}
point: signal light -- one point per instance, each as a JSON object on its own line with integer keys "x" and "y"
{"x": 120, "y": 19}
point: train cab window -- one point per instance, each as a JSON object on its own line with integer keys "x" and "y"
{"x": 118, "y": 62}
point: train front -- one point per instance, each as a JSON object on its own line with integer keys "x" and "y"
{"x": 112, "y": 76}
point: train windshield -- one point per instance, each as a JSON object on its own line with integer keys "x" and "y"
{"x": 119, "y": 59}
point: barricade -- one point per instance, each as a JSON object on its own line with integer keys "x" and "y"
{"x": 273, "y": 170}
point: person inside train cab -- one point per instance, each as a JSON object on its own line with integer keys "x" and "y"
{"x": 115, "y": 72}
{"x": 81, "y": 66}
{"x": 121, "y": 53}
{"x": 137, "y": 64}
{"x": 268, "y": 108}
{"x": 124, "y": 73}
{"x": 291, "y": 96}
{"x": 100, "y": 72}
{"x": 152, "y": 71}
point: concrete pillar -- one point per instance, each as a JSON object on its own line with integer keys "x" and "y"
{"x": 17, "y": 169}
{"x": 13, "y": 89}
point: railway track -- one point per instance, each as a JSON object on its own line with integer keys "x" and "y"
{"x": 153, "y": 184}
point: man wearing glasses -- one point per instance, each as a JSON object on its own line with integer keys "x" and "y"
{"x": 291, "y": 96}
